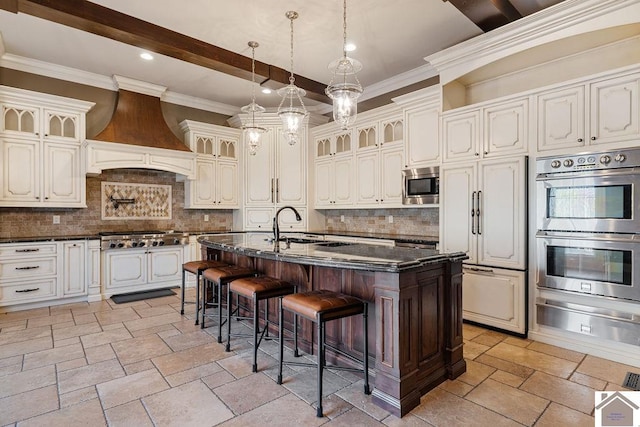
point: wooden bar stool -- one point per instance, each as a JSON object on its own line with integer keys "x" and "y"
{"x": 257, "y": 289}
{"x": 320, "y": 307}
{"x": 196, "y": 267}
{"x": 219, "y": 277}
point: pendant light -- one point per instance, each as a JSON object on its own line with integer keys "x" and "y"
{"x": 252, "y": 132}
{"x": 344, "y": 88}
{"x": 291, "y": 110}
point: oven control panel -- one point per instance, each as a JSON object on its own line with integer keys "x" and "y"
{"x": 626, "y": 158}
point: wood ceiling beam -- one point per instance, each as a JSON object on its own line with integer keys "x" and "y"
{"x": 488, "y": 14}
{"x": 96, "y": 19}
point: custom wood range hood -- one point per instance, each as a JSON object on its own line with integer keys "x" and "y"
{"x": 137, "y": 136}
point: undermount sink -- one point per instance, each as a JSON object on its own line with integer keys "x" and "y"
{"x": 300, "y": 240}
{"x": 333, "y": 244}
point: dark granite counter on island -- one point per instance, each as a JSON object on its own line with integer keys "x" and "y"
{"x": 414, "y": 295}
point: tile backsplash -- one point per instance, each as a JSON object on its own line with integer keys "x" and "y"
{"x": 411, "y": 221}
{"x": 35, "y": 222}
{"x": 135, "y": 201}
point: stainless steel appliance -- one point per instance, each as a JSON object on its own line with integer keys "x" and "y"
{"x": 593, "y": 192}
{"x": 590, "y": 263}
{"x": 421, "y": 186}
{"x": 140, "y": 239}
{"x": 588, "y": 243}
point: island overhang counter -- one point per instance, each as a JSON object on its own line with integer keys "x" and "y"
{"x": 414, "y": 296}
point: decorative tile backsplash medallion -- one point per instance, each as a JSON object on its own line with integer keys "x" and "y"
{"x": 135, "y": 201}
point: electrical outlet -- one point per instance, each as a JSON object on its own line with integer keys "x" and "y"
{"x": 390, "y": 219}
{"x": 206, "y": 218}
{"x": 341, "y": 218}
{"x": 56, "y": 219}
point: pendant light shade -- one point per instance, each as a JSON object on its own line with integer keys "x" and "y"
{"x": 291, "y": 110}
{"x": 344, "y": 88}
{"x": 252, "y": 132}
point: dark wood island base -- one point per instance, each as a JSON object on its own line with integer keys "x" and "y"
{"x": 414, "y": 295}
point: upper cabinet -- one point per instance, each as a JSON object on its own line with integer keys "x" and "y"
{"x": 600, "y": 112}
{"x": 491, "y": 131}
{"x": 333, "y": 170}
{"x": 40, "y": 149}
{"x": 217, "y": 149}
{"x": 379, "y": 162}
{"x": 421, "y": 115}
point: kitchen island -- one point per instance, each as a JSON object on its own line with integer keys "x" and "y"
{"x": 414, "y": 296}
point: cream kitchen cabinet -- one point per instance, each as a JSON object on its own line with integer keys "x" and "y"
{"x": 217, "y": 149}
{"x": 275, "y": 176}
{"x": 600, "y": 112}
{"x": 333, "y": 171}
{"x": 132, "y": 270}
{"x": 40, "y": 149}
{"x": 41, "y": 174}
{"x": 483, "y": 211}
{"x": 261, "y": 219}
{"x": 421, "y": 115}
{"x": 495, "y": 297}
{"x": 46, "y": 272}
{"x": 493, "y": 130}
{"x": 74, "y": 279}
{"x": 379, "y": 161}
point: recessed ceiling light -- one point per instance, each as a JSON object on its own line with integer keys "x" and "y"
{"x": 350, "y": 47}
{"x": 146, "y": 55}
{"x": 266, "y": 90}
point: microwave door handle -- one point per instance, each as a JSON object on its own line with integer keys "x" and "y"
{"x": 473, "y": 213}
{"x": 478, "y": 212}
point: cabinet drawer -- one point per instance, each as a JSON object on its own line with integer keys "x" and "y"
{"x": 12, "y": 269}
{"x": 25, "y": 292}
{"x": 27, "y": 250}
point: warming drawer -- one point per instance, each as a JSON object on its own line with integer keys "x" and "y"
{"x": 596, "y": 322}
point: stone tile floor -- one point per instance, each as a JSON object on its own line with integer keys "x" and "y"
{"x": 143, "y": 364}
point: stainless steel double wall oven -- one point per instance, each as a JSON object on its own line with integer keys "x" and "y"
{"x": 588, "y": 238}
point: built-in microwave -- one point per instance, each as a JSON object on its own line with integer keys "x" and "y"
{"x": 421, "y": 186}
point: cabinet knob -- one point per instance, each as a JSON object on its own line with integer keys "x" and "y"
{"x": 486, "y": 152}
{"x": 580, "y": 139}
{"x": 46, "y": 198}
{"x": 593, "y": 138}
{"x": 477, "y": 154}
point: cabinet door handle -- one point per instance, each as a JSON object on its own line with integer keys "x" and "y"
{"x": 478, "y": 269}
{"x": 478, "y": 212}
{"x": 277, "y": 190}
{"x": 27, "y": 290}
{"x": 30, "y": 267}
{"x": 272, "y": 201}
{"x": 473, "y": 213}
{"x": 28, "y": 250}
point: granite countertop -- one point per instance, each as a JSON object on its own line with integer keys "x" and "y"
{"x": 48, "y": 238}
{"x": 407, "y": 238}
{"x": 356, "y": 256}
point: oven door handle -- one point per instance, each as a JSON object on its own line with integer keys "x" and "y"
{"x": 473, "y": 213}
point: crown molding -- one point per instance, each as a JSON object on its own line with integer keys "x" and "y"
{"x": 399, "y": 81}
{"x": 133, "y": 85}
{"x": 564, "y": 19}
{"x": 54, "y": 71}
{"x": 427, "y": 95}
